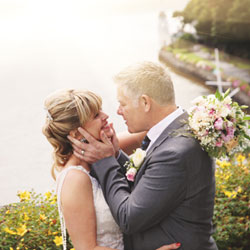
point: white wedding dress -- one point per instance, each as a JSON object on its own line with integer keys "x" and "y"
{"x": 108, "y": 232}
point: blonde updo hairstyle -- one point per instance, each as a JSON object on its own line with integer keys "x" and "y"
{"x": 67, "y": 110}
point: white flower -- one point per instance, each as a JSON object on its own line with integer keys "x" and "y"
{"x": 227, "y": 100}
{"x": 199, "y": 100}
{"x": 138, "y": 157}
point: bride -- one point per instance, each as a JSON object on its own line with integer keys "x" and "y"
{"x": 82, "y": 207}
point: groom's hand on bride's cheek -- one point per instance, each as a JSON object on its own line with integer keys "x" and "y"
{"x": 81, "y": 149}
{"x": 94, "y": 150}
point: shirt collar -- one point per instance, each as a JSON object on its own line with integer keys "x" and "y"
{"x": 157, "y": 129}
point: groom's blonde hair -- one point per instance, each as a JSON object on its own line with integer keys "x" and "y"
{"x": 66, "y": 111}
{"x": 147, "y": 78}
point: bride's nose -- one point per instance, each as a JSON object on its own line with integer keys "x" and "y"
{"x": 104, "y": 116}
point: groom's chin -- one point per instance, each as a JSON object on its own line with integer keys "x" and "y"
{"x": 131, "y": 130}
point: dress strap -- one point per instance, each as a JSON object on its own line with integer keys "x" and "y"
{"x": 60, "y": 180}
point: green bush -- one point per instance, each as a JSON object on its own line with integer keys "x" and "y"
{"x": 33, "y": 223}
{"x": 232, "y": 204}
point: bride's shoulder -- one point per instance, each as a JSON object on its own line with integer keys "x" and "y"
{"x": 73, "y": 177}
{"x": 77, "y": 174}
{"x": 76, "y": 184}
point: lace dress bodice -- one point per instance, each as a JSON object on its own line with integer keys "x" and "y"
{"x": 108, "y": 232}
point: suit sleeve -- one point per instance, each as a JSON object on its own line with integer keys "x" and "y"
{"x": 161, "y": 189}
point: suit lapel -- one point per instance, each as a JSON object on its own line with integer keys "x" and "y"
{"x": 175, "y": 125}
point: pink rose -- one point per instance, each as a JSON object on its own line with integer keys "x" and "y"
{"x": 219, "y": 144}
{"x": 218, "y": 124}
{"x": 229, "y": 136}
{"x": 205, "y": 133}
{"x": 235, "y": 83}
{"x": 212, "y": 111}
{"x": 243, "y": 87}
{"x": 131, "y": 174}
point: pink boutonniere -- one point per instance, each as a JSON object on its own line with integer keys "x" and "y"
{"x": 134, "y": 163}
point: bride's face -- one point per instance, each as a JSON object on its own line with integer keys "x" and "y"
{"x": 98, "y": 123}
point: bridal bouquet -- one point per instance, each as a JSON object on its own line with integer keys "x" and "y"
{"x": 220, "y": 125}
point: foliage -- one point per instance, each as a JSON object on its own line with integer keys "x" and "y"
{"x": 220, "y": 22}
{"x": 232, "y": 204}
{"x": 33, "y": 223}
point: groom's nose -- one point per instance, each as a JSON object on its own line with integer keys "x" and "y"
{"x": 119, "y": 111}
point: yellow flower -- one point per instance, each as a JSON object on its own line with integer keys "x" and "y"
{"x": 227, "y": 176}
{"x": 58, "y": 240}
{"x": 223, "y": 164}
{"x": 48, "y": 195}
{"x": 240, "y": 158}
{"x": 11, "y": 248}
{"x": 22, "y": 230}
{"x": 54, "y": 200}
{"x": 24, "y": 196}
{"x": 26, "y": 217}
{"x": 7, "y": 230}
{"x": 230, "y": 194}
{"x": 7, "y": 212}
{"x": 239, "y": 190}
{"x": 43, "y": 217}
{"x": 72, "y": 248}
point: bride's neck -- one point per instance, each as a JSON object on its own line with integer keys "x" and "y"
{"x": 74, "y": 161}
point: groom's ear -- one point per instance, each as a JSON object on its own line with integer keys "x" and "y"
{"x": 146, "y": 102}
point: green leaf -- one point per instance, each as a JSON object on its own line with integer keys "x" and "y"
{"x": 244, "y": 107}
{"x": 248, "y": 137}
{"x": 217, "y": 94}
{"x": 227, "y": 93}
{"x": 246, "y": 118}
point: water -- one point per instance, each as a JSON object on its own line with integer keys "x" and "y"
{"x": 41, "y": 53}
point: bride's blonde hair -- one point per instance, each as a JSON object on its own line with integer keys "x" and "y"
{"x": 67, "y": 110}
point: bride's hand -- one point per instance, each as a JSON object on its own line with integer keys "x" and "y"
{"x": 170, "y": 247}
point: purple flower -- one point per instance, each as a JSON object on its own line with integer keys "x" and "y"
{"x": 218, "y": 124}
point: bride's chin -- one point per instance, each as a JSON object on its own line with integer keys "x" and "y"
{"x": 109, "y": 133}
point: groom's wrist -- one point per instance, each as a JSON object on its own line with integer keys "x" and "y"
{"x": 117, "y": 154}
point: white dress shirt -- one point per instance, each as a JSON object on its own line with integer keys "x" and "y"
{"x": 157, "y": 129}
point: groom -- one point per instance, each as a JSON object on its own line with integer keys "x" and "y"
{"x": 172, "y": 196}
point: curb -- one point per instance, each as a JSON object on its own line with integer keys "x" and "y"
{"x": 189, "y": 69}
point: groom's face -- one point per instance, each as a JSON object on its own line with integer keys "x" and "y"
{"x": 131, "y": 112}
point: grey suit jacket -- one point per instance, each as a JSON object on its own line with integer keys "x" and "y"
{"x": 172, "y": 198}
